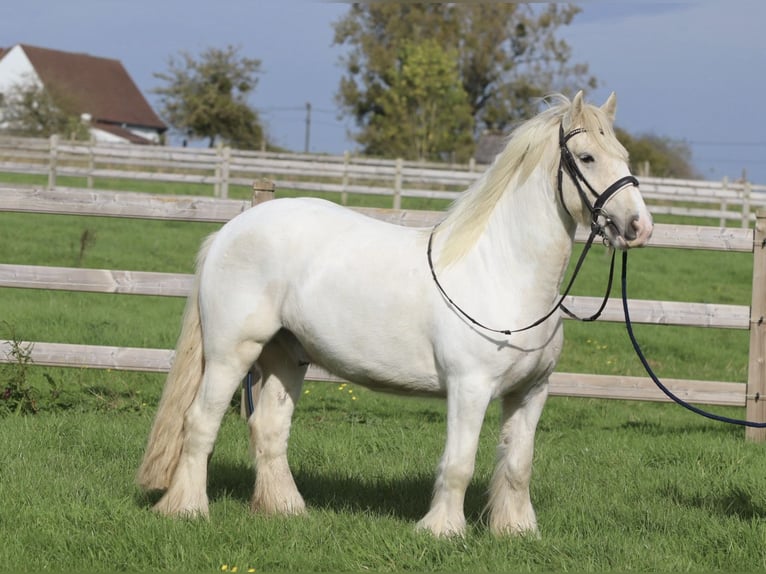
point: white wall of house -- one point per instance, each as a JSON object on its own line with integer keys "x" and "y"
{"x": 152, "y": 135}
{"x": 16, "y": 72}
{"x": 16, "y": 69}
{"x": 105, "y": 137}
{"x": 100, "y": 135}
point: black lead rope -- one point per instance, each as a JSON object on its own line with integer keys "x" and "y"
{"x": 247, "y": 386}
{"x": 556, "y": 307}
{"x": 650, "y": 372}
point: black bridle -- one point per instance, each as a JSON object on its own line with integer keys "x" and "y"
{"x": 568, "y": 164}
{"x": 597, "y": 211}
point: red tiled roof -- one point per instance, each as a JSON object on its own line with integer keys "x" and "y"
{"x": 98, "y": 86}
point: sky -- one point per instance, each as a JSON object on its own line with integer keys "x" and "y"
{"x": 690, "y": 71}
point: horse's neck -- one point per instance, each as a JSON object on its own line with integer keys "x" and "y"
{"x": 526, "y": 238}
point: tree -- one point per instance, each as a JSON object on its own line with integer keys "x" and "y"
{"x": 658, "y": 156}
{"x": 411, "y": 125}
{"x": 31, "y": 110}
{"x": 507, "y": 55}
{"x": 207, "y": 97}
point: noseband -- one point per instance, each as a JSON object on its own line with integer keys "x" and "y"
{"x": 597, "y": 212}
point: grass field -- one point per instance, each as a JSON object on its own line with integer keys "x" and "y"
{"x": 617, "y": 485}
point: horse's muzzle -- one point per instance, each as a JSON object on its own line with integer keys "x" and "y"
{"x": 638, "y": 231}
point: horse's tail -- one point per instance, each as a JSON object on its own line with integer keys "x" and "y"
{"x": 183, "y": 381}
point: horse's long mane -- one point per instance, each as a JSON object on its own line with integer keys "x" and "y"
{"x": 531, "y": 145}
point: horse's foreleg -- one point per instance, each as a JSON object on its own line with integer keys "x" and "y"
{"x": 278, "y": 391}
{"x": 186, "y": 495}
{"x": 466, "y": 407}
{"x": 510, "y": 507}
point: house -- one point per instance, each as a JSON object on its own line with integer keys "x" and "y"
{"x": 99, "y": 90}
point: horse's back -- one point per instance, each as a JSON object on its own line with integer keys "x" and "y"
{"x": 306, "y": 222}
{"x": 353, "y": 290}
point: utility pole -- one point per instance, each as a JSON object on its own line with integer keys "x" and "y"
{"x": 308, "y": 128}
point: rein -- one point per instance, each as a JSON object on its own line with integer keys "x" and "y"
{"x": 597, "y": 228}
{"x": 556, "y": 307}
{"x": 650, "y": 371}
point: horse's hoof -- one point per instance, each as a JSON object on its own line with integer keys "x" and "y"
{"x": 441, "y": 528}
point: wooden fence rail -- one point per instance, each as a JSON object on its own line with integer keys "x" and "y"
{"x": 222, "y": 167}
{"x": 87, "y": 202}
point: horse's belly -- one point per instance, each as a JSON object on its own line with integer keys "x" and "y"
{"x": 367, "y": 336}
{"x": 389, "y": 381}
{"x": 380, "y": 362}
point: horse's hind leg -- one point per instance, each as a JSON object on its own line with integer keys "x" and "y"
{"x": 510, "y": 507}
{"x": 283, "y": 366}
{"x": 186, "y": 495}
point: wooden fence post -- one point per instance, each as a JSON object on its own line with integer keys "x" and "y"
{"x": 52, "y": 160}
{"x": 225, "y": 163}
{"x": 91, "y": 162}
{"x": 724, "y": 202}
{"x": 398, "y": 184}
{"x": 756, "y": 372}
{"x": 344, "y": 181}
{"x": 746, "y": 191}
{"x": 217, "y": 175}
{"x": 263, "y": 190}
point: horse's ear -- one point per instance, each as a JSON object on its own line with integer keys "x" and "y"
{"x": 610, "y": 107}
{"x": 576, "y": 110}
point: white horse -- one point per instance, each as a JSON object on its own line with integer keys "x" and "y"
{"x": 294, "y": 281}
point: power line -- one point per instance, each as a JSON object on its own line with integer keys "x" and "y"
{"x": 728, "y": 144}
{"x": 282, "y": 108}
{"x": 731, "y": 160}
{"x": 270, "y": 109}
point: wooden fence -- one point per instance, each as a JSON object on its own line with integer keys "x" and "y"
{"x": 222, "y": 168}
{"x": 137, "y": 205}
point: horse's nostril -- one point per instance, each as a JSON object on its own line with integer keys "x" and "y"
{"x": 630, "y": 232}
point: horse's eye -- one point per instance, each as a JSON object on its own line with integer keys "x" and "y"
{"x": 587, "y": 158}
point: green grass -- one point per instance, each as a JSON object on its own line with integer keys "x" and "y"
{"x": 617, "y": 485}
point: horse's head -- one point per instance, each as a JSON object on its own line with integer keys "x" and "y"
{"x": 594, "y": 182}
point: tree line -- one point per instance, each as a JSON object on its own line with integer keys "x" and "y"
{"x": 422, "y": 81}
